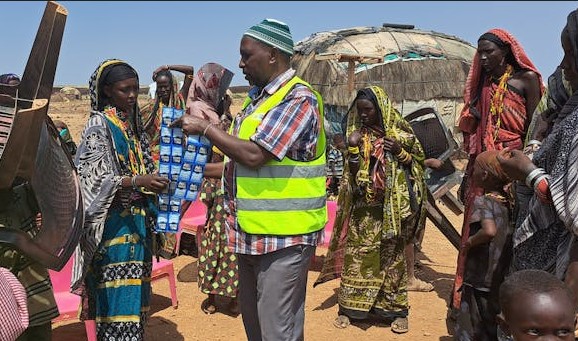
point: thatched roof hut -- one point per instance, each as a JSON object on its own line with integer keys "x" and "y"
{"x": 416, "y": 68}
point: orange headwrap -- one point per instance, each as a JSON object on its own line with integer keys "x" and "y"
{"x": 488, "y": 161}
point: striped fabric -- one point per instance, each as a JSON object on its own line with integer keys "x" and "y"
{"x": 536, "y": 246}
{"x": 13, "y": 307}
{"x": 16, "y": 212}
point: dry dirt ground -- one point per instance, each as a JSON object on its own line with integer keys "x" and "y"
{"x": 427, "y": 319}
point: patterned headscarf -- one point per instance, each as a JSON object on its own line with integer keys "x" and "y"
{"x": 98, "y": 100}
{"x": 389, "y": 176}
{"x": 476, "y": 73}
{"x": 208, "y": 90}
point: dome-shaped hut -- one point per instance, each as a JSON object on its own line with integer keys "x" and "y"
{"x": 416, "y": 68}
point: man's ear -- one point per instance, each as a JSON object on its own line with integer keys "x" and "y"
{"x": 274, "y": 53}
{"x": 501, "y": 320}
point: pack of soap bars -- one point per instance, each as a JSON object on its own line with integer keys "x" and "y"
{"x": 183, "y": 161}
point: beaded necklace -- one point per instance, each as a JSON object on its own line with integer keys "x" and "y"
{"x": 497, "y": 102}
{"x": 135, "y": 162}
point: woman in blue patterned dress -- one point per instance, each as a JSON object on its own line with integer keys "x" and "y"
{"x": 114, "y": 258}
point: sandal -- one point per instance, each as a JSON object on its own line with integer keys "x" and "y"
{"x": 208, "y": 306}
{"x": 419, "y": 285}
{"x": 341, "y": 322}
{"x": 400, "y": 325}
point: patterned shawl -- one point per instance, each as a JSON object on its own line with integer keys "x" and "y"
{"x": 396, "y": 190}
{"x": 207, "y": 91}
{"x": 559, "y": 158}
{"x": 476, "y": 81}
{"x": 102, "y": 162}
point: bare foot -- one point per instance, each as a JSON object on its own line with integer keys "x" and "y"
{"x": 341, "y": 322}
{"x": 400, "y": 325}
{"x": 419, "y": 285}
{"x": 208, "y": 305}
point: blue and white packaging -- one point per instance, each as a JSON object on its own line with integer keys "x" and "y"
{"x": 197, "y": 174}
{"x": 186, "y": 170}
{"x": 164, "y": 169}
{"x": 165, "y": 153}
{"x": 177, "y": 136}
{"x": 191, "y": 196}
{"x": 167, "y": 116}
{"x": 176, "y": 155}
{"x": 180, "y": 190}
{"x": 164, "y": 201}
{"x": 162, "y": 222}
{"x": 173, "y": 224}
{"x": 166, "y": 135}
{"x": 177, "y": 113}
{"x": 175, "y": 205}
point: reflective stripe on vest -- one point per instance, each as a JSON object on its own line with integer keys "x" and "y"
{"x": 284, "y": 197}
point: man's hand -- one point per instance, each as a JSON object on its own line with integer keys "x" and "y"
{"x": 191, "y": 125}
{"x": 516, "y": 165}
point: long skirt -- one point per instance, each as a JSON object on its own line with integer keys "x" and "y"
{"x": 118, "y": 283}
{"x": 374, "y": 277}
{"x": 217, "y": 267}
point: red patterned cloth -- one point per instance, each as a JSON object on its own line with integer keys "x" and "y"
{"x": 480, "y": 134}
{"x": 514, "y": 116}
{"x": 13, "y": 306}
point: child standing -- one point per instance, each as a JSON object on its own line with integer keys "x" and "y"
{"x": 488, "y": 252}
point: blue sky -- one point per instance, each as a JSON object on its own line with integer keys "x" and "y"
{"x": 152, "y": 33}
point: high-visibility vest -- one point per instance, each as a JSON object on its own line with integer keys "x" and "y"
{"x": 284, "y": 197}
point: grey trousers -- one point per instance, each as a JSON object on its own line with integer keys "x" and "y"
{"x": 272, "y": 293}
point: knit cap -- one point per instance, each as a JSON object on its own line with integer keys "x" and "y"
{"x": 273, "y": 33}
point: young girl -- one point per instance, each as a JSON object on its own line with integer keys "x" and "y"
{"x": 488, "y": 251}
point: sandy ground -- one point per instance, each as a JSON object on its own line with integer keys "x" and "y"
{"x": 427, "y": 319}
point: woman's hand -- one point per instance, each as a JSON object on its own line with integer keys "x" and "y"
{"x": 191, "y": 125}
{"x": 433, "y": 163}
{"x": 159, "y": 69}
{"x": 516, "y": 165}
{"x": 354, "y": 139}
{"x": 391, "y": 145}
{"x": 152, "y": 182}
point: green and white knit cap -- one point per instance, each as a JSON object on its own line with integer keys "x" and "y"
{"x": 273, "y": 33}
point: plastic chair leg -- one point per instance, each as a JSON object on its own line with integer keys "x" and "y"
{"x": 90, "y": 327}
{"x": 173, "y": 287}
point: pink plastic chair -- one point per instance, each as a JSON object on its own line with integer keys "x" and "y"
{"x": 69, "y": 303}
{"x": 165, "y": 268}
{"x": 195, "y": 216}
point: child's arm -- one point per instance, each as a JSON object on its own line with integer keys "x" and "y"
{"x": 484, "y": 235}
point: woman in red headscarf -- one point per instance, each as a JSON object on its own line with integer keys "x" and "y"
{"x": 502, "y": 90}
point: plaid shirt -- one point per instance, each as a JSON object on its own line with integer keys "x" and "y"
{"x": 287, "y": 130}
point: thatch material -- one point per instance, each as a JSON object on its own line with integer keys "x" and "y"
{"x": 415, "y": 65}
